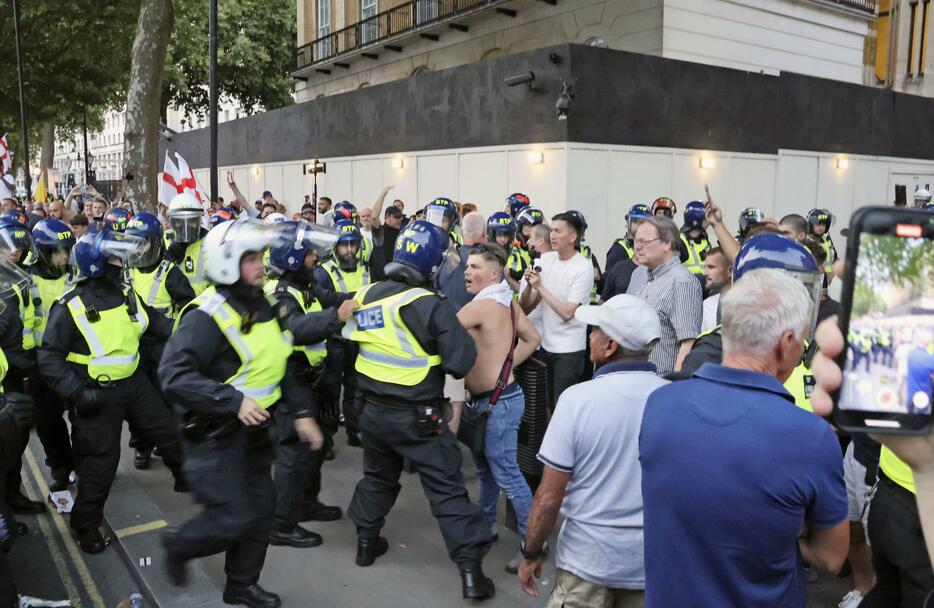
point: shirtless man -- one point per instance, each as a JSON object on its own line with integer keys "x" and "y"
{"x": 488, "y": 320}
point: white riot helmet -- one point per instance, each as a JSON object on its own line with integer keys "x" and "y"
{"x": 922, "y": 197}
{"x": 185, "y": 214}
{"x": 275, "y": 218}
{"x": 227, "y": 243}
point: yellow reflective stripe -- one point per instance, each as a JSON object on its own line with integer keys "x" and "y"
{"x": 78, "y": 312}
{"x": 262, "y": 392}
{"x": 413, "y": 362}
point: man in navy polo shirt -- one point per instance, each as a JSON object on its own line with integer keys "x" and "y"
{"x": 738, "y": 483}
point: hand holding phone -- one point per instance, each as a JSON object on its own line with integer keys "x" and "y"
{"x": 887, "y": 320}
{"x": 230, "y": 179}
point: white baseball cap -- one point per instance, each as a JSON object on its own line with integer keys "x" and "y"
{"x": 629, "y": 320}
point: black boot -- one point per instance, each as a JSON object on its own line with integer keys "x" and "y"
{"x": 475, "y": 584}
{"x": 142, "y": 458}
{"x": 22, "y": 505}
{"x": 368, "y": 549}
{"x": 92, "y": 541}
{"x": 296, "y": 537}
{"x": 175, "y": 567}
{"x": 253, "y": 596}
{"x": 316, "y": 511}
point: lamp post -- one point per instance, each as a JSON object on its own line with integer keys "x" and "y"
{"x": 22, "y": 102}
{"x": 212, "y": 86}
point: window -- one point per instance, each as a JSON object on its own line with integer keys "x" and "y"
{"x": 324, "y": 28}
{"x": 426, "y": 10}
{"x": 368, "y": 21}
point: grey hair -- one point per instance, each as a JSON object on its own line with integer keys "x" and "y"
{"x": 474, "y": 226}
{"x": 760, "y": 307}
{"x": 541, "y": 231}
{"x": 667, "y": 230}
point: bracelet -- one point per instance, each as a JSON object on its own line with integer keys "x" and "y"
{"x": 530, "y": 555}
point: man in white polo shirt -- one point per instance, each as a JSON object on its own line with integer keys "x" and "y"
{"x": 592, "y": 472}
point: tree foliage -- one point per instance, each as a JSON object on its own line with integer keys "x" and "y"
{"x": 255, "y": 54}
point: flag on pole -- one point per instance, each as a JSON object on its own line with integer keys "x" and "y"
{"x": 6, "y": 156}
{"x": 190, "y": 183}
{"x": 169, "y": 181}
{"x": 41, "y": 194}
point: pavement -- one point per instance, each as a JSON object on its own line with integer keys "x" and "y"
{"x": 415, "y": 572}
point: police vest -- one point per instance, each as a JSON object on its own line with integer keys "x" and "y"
{"x": 827, "y": 245}
{"x": 344, "y": 281}
{"x": 315, "y": 353}
{"x": 626, "y": 247}
{"x": 49, "y": 291}
{"x": 587, "y": 253}
{"x": 897, "y": 469}
{"x": 112, "y": 337}
{"x": 366, "y": 248}
{"x": 28, "y": 298}
{"x": 456, "y": 235}
{"x": 4, "y": 367}
{"x": 263, "y": 349}
{"x": 193, "y": 267}
{"x": 697, "y": 253}
{"x": 150, "y": 286}
{"x": 519, "y": 259}
{"x": 388, "y": 351}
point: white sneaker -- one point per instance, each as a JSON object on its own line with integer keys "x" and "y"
{"x": 851, "y": 599}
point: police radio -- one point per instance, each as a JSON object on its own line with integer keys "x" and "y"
{"x": 887, "y": 319}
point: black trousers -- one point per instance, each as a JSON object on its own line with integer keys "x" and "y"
{"x": 96, "y": 439}
{"x": 903, "y": 567}
{"x": 8, "y": 595}
{"x": 297, "y": 468}
{"x": 390, "y": 435}
{"x": 230, "y": 478}
{"x": 566, "y": 369}
{"x": 150, "y": 353}
{"x": 52, "y": 430}
{"x": 340, "y": 372}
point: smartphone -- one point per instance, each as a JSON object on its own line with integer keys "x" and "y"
{"x": 707, "y": 191}
{"x": 230, "y": 177}
{"x": 887, "y": 319}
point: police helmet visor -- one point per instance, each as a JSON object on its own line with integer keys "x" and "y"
{"x": 13, "y": 280}
{"x": 128, "y": 249}
{"x": 16, "y": 243}
{"x": 439, "y": 217}
{"x": 813, "y": 282}
{"x": 186, "y": 225}
{"x": 317, "y": 239}
{"x": 54, "y": 260}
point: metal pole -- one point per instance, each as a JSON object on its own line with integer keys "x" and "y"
{"x": 87, "y": 166}
{"x": 22, "y": 102}
{"x": 212, "y": 38}
{"x": 314, "y": 191}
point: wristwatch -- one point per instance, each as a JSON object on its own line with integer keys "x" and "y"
{"x": 530, "y": 555}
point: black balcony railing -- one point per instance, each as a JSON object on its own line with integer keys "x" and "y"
{"x": 410, "y": 16}
{"x": 864, "y": 6}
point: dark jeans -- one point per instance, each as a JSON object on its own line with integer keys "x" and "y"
{"x": 230, "y": 478}
{"x": 903, "y": 568}
{"x": 390, "y": 436}
{"x": 566, "y": 369}
{"x": 96, "y": 439}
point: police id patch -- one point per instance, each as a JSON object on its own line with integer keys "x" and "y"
{"x": 369, "y": 318}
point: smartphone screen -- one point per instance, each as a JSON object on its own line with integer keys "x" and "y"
{"x": 888, "y": 363}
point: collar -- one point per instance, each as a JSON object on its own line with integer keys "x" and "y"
{"x": 625, "y": 366}
{"x": 743, "y": 378}
{"x": 665, "y": 267}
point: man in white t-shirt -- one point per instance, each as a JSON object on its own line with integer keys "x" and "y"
{"x": 539, "y": 245}
{"x": 562, "y": 285}
{"x": 718, "y": 276}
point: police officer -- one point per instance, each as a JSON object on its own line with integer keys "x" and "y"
{"x": 442, "y": 212}
{"x": 501, "y": 229}
{"x": 162, "y": 286}
{"x": 223, "y": 214}
{"x": 623, "y": 248}
{"x": 298, "y": 469}
{"x": 90, "y": 357}
{"x": 347, "y": 211}
{"x": 185, "y": 215}
{"x": 17, "y": 340}
{"x": 516, "y": 202}
{"x": 527, "y": 219}
{"x": 588, "y": 253}
{"x": 116, "y": 219}
{"x": 53, "y": 241}
{"x": 768, "y": 250}
{"x": 694, "y": 241}
{"x": 748, "y": 217}
{"x": 409, "y": 338}
{"x": 664, "y": 206}
{"x": 343, "y": 273}
{"x": 819, "y": 223}
{"x": 222, "y": 370}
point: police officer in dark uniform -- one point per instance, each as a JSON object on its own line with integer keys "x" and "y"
{"x": 408, "y": 339}
{"x": 53, "y": 242}
{"x": 90, "y": 357}
{"x": 623, "y": 248}
{"x": 223, "y": 370}
{"x": 17, "y": 339}
{"x": 162, "y": 286}
{"x": 298, "y": 469}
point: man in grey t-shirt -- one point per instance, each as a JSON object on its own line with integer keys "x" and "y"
{"x": 591, "y": 458}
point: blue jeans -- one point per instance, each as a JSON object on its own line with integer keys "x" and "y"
{"x": 497, "y": 468}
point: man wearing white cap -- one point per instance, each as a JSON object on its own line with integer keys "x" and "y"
{"x": 591, "y": 472}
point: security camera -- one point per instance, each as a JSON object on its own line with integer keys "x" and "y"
{"x": 563, "y": 105}
{"x": 518, "y": 79}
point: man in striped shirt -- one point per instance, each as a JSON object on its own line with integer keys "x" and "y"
{"x": 671, "y": 289}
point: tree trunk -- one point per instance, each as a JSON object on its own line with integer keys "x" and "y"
{"x": 47, "y": 156}
{"x": 141, "y": 137}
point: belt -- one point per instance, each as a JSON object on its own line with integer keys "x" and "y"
{"x": 899, "y": 491}
{"x": 508, "y": 390}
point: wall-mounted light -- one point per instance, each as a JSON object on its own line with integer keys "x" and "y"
{"x": 256, "y": 170}
{"x": 706, "y": 162}
{"x": 842, "y": 163}
{"x": 536, "y": 157}
{"x": 398, "y": 163}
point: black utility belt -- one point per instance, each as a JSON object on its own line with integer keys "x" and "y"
{"x": 901, "y": 492}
